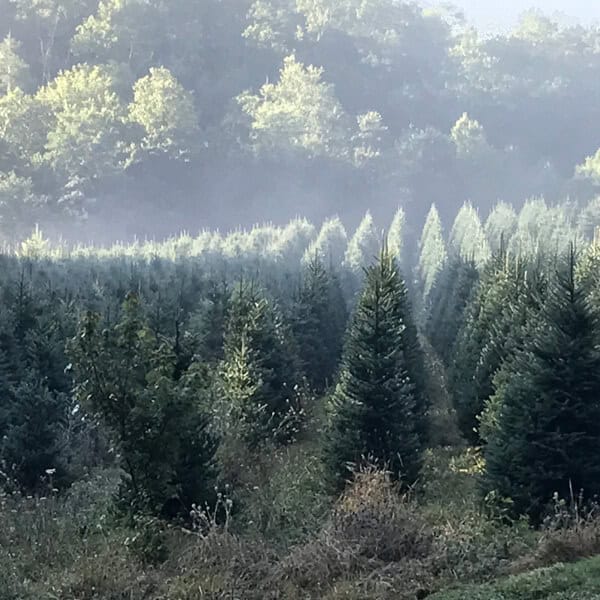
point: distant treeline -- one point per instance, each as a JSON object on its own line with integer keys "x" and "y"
{"x": 126, "y": 117}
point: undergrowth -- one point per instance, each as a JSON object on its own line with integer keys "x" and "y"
{"x": 290, "y": 543}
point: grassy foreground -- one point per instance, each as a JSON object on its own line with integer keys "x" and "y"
{"x": 578, "y": 581}
{"x": 372, "y": 545}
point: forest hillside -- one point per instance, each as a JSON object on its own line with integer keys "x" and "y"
{"x": 125, "y": 118}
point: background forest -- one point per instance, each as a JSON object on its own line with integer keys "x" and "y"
{"x": 152, "y": 117}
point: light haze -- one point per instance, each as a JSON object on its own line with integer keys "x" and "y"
{"x": 493, "y": 15}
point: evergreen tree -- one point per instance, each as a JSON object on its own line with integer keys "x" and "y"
{"x": 467, "y": 238}
{"x": 432, "y": 252}
{"x": 500, "y": 226}
{"x": 126, "y": 375}
{"x": 589, "y": 219}
{"x": 33, "y": 445}
{"x": 207, "y": 323}
{"x": 318, "y": 324}
{"x": 548, "y": 426}
{"x": 485, "y": 338}
{"x": 373, "y": 408}
{"x": 293, "y": 241}
{"x": 449, "y": 299}
{"x": 363, "y": 246}
{"x": 395, "y": 236}
{"x": 259, "y": 381}
{"x": 330, "y": 245}
{"x": 526, "y": 239}
{"x": 511, "y": 332}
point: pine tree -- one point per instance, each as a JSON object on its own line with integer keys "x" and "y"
{"x": 363, "y": 246}
{"x": 415, "y": 363}
{"x": 548, "y": 428}
{"x": 33, "y": 443}
{"x": 292, "y": 242}
{"x": 526, "y": 239}
{"x": 467, "y": 238}
{"x": 373, "y": 409}
{"x": 449, "y": 299}
{"x": 127, "y": 376}
{"x": 318, "y": 324}
{"x": 207, "y": 323}
{"x": 510, "y": 334}
{"x": 395, "y": 236}
{"x": 330, "y": 245}
{"x": 432, "y": 252}
{"x": 500, "y": 226}
{"x": 481, "y": 344}
{"x": 259, "y": 374}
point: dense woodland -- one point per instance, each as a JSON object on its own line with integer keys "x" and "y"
{"x": 143, "y": 117}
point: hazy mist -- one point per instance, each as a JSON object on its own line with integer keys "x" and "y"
{"x": 491, "y": 15}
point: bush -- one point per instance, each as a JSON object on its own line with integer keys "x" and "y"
{"x": 371, "y": 525}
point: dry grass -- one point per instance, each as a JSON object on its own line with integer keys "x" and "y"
{"x": 373, "y": 544}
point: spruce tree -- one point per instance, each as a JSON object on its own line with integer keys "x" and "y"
{"x": 33, "y": 444}
{"x": 449, "y": 299}
{"x": 415, "y": 362}
{"x": 318, "y": 323}
{"x": 432, "y": 252}
{"x": 395, "y": 236}
{"x": 526, "y": 239}
{"x": 259, "y": 375}
{"x": 363, "y": 246}
{"x": 483, "y": 340}
{"x": 548, "y": 428}
{"x": 500, "y": 226}
{"x": 127, "y": 376}
{"x": 372, "y": 412}
{"x": 330, "y": 245}
{"x": 467, "y": 238}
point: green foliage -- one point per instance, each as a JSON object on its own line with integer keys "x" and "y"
{"x": 559, "y": 582}
{"x": 166, "y": 112}
{"x": 373, "y": 408}
{"x": 467, "y": 238}
{"x": 362, "y": 96}
{"x": 548, "y": 415}
{"x": 287, "y": 503}
{"x": 17, "y": 200}
{"x": 500, "y": 226}
{"x": 590, "y": 169}
{"x": 260, "y": 386}
{"x": 543, "y": 229}
{"x": 14, "y": 72}
{"x": 300, "y": 113}
{"x": 32, "y": 449}
{"x": 318, "y": 324}
{"x": 504, "y": 301}
{"x": 470, "y": 140}
{"x": 86, "y": 132}
{"x": 589, "y": 219}
{"x": 127, "y": 376}
{"x": 125, "y": 31}
{"x": 449, "y": 299}
{"x": 432, "y": 252}
{"x": 395, "y": 236}
{"x": 331, "y": 244}
{"x": 363, "y": 246}
{"x": 22, "y": 130}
